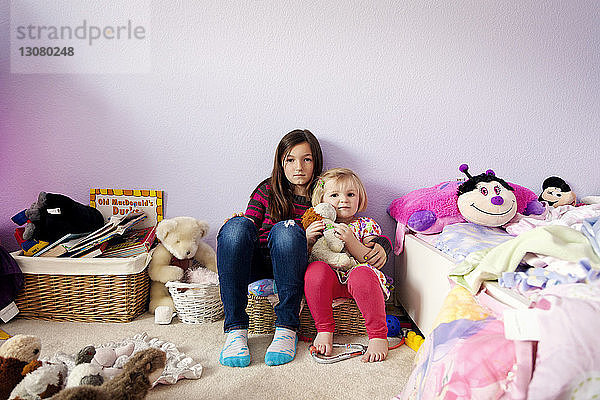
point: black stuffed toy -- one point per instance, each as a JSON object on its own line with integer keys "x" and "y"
{"x": 556, "y": 192}
{"x": 55, "y": 215}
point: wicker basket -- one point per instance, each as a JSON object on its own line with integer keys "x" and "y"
{"x": 347, "y": 316}
{"x": 84, "y": 298}
{"x": 196, "y": 302}
{"x": 261, "y": 314}
{"x": 348, "y": 320}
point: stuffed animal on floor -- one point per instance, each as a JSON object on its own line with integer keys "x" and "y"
{"x": 84, "y": 372}
{"x": 18, "y": 356}
{"x": 52, "y": 216}
{"x": 139, "y": 373}
{"x": 328, "y": 248}
{"x": 44, "y": 382}
{"x": 428, "y": 210}
{"x": 180, "y": 244}
{"x": 556, "y": 192}
{"x": 107, "y": 358}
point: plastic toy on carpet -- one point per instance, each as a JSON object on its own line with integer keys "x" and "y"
{"x": 414, "y": 341}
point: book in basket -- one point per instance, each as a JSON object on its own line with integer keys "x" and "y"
{"x": 95, "y": 251}
{"x": 134, "y": 242}
{"x": 116, "y": 226}
{"x": 112, "y": 202}
{"x": 60, "y": 246}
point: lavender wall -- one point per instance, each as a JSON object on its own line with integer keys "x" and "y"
{"x": 401, "y": 92}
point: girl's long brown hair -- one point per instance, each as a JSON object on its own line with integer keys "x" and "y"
{"x": 281, "y": 195}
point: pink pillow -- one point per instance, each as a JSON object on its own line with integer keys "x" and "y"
{"x": 428, "y": 210}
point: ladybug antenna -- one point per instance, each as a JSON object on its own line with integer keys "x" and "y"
{"x": 464, "y": 168}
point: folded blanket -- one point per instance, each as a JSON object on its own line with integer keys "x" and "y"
{"x": 489, "y": 264}
{"x": 459, "y": 240}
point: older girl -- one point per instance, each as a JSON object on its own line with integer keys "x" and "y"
{"x": 268, "y": 242}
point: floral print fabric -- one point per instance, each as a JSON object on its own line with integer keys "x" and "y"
{"x": 363, "y": 227}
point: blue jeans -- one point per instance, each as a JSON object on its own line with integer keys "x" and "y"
{"x": 240, "y": 261}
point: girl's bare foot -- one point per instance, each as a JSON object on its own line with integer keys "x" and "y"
{"x": 376, "y": 351}
{"x": 324, "y": 343}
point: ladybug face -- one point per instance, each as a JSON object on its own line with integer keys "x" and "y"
{"x": 489, "y": 204}
{"x": 555, "y": 197}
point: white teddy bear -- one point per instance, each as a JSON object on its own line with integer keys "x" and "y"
{"x": 179, "y": 245}
{"x": 329, "y": 248}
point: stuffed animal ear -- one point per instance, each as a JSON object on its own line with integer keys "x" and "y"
{"x": 326, "y": 210}
{"x": 203, "y": 227}
{"x": 164, "y": 227}
{"x": 33, "y": 212}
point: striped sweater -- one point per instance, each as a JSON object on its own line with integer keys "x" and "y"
{"x": 258, "y": 206}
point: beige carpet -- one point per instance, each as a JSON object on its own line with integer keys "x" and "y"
{"x": 303, "y": 378}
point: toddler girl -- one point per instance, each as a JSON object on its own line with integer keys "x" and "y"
{"x": 365, "y": 283}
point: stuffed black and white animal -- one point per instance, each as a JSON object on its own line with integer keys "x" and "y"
{"x": 139, "y": 373}
{"x": 53, "y": 216}
{"x": 556, "y": 192}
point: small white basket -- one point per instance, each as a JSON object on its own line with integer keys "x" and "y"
{"x": 196, "y": 303}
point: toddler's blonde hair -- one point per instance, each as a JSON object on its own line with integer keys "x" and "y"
{"x": 339, "y": 175}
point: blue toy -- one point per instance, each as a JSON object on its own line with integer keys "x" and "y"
{"x": 393, "y": 325}
{"x": 264, "y": 287}
{"x": 20, "y": 218}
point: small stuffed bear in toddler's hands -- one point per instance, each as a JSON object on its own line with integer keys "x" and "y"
{"x": 328, "y": 248}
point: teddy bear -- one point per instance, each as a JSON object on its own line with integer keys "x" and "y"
{"x": 328, "y": 248}
{"x": 139, "y": 373}
{"x": 179, "y": 246}
{"x": 18, "y": 356}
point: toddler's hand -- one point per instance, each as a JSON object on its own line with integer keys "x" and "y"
{"x": 314, "y": 231}
{"x": 376, "y": 256}
{"x": 345, "y": 233}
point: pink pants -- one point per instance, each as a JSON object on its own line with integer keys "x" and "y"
{"x": 321, "y": 286}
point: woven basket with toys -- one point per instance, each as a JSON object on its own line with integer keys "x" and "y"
{"x": 196, "y": 303}
{"x": 188, "y": 266}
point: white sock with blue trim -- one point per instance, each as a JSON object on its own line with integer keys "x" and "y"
{"x": 283, "y": 348}
{"x": 235, "y": 351}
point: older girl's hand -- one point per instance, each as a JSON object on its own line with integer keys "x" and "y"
{"x": 376, "y": 256}
{"x": 238, "y": 215}
{"x": 313, "y": 232}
